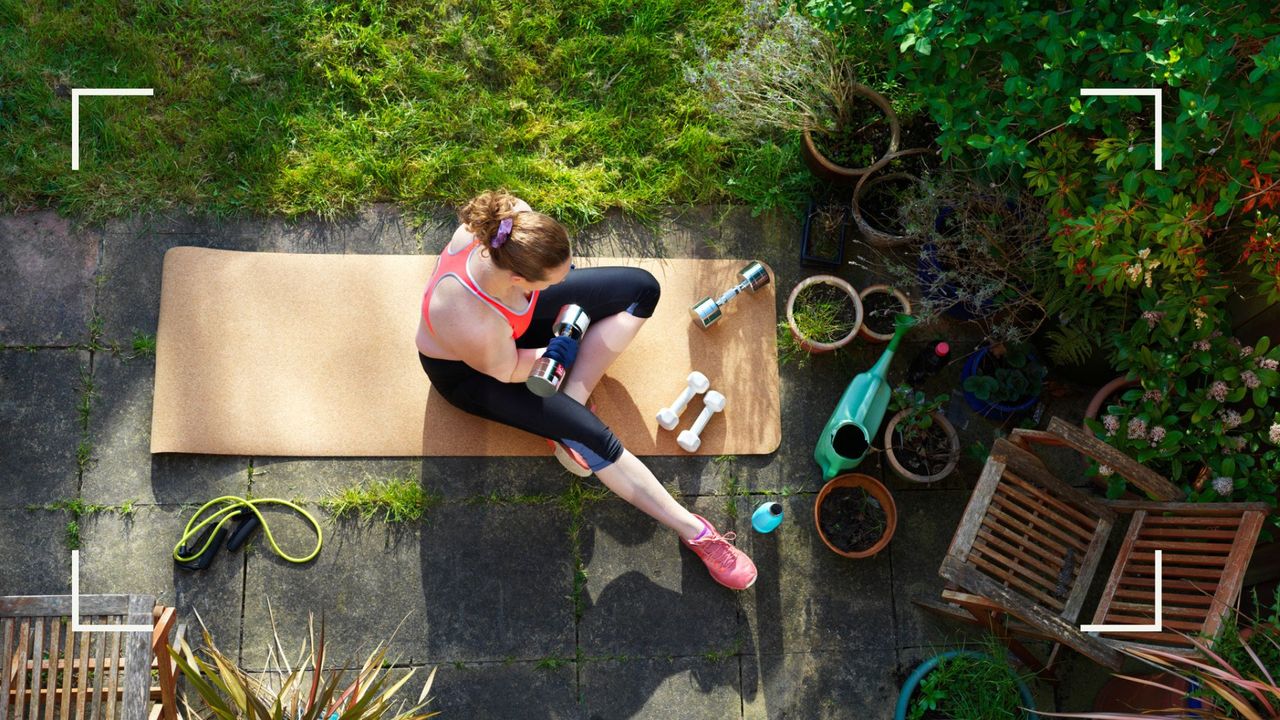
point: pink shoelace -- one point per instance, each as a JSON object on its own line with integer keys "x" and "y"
{"x": 718, "y": 546}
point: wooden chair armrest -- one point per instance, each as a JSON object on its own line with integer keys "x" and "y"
{"x": 1187, "y": 508}
{"x": 1062, "y": 433}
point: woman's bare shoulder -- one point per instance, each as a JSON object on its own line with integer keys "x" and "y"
{"x": 458, "y": 315}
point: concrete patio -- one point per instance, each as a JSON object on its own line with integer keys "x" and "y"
{"x": 527, "y": 610}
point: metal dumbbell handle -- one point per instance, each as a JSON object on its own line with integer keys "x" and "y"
{"x": 546, "y": 374}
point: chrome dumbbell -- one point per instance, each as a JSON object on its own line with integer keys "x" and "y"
{"x": 706, "y": 311}
{"x": 544, "y": 378}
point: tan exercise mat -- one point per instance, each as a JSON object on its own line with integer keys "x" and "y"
{"x": 313, "y": 355}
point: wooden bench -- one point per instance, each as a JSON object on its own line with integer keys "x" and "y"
{"x": 49, "y": 672}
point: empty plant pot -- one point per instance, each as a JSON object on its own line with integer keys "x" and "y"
{"x": 824, "y": 313}
{"x": 855, "y": 515}
{"x": 880, "y": 303}
{"x": 1119, "y": 385}
{"x": 827, "y": 169}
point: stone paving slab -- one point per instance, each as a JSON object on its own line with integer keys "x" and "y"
{"x": 834, "y": 685}
{"x": 478, "y": 583}
{"x": 809, "y": 599}
{"x": 33, "y": 546}
{"x": 690, "y": 688}
{"x": 497, "y": 690}
{"x": 927, "y": 520}
{"x": 646, "y": 596}
{"x": 48, "y": 264}
{"x": 133, "y": 554}
{"x": 40, "y": 425}
{"x": 122, "y": 467}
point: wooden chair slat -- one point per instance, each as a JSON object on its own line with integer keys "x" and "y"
{"x": 1015, "y": 529}
{"x": 1135, "y": 570}
{"x": 976, "y": 509}
{"x": 1174, "y": 563}
{"x": 59, "y": 605}
{"x": 1039, "y": 505}
{"x": 137, "y": 686}
{"x": 1167, "y": 610}
{"x": 82, "y": 697}
{"x": 1013, "y": 577}
{"x": 51, "y": 679}
{"x": 7, "y": 661}
{"x": 1210, "y": 548}
{"x": 1157, "y": 640}
{"x": 113, "y": 672}
{"x": 20, "y": 685}
{"x": 1172, "y": 532}
{"x": 37, "y": 652}
{"x": 1078, "y": 518}
{"x": 1233, "y": 573}
{"x": 1036, "y": 524}
{"x": 68, "y": 674}
{"x": 1149, "y": 596}
{"x": 1029, "y": 552}
{"x": 99, "y": 676}
{"x": 1173, "y": 513}
{"x": 1088, "y": 568}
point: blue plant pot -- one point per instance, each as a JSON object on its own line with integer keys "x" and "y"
{"x": 926, "y": 667}
{"x": 991, "y": 411}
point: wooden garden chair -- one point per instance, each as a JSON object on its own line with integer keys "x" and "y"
{"x": 1024, "y": 556}
{"x": 48, "y": 672}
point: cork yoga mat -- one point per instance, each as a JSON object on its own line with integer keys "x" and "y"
{"x": 314, "y": 355}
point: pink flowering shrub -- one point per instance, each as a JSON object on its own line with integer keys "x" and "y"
{"x": 1204, "y": 401}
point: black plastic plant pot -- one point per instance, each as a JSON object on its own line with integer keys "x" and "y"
{"x": 808, "y": 256}
{"x": 993, "y": 411}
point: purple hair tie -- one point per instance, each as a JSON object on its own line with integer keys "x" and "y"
{"x": 503, "y": 234}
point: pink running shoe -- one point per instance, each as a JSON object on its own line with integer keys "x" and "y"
{"x": 570, "y": 459}
{"x": 728, "y": 565}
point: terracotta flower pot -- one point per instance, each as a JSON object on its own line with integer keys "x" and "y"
{"x": 875, "y": 489}
{"x": 878, "y": 237}
{"x": 815, "y": 346}
{"x": 1100, "y": 397}
{"x": 953, "y": 441}
{"x": 866, "y": 332}
{"x": 823, "y": 168}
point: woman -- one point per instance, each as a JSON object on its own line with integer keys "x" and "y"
{"x": 487, "y": 316}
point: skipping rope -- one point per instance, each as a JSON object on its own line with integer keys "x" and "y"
{"x": 202, "y": 538}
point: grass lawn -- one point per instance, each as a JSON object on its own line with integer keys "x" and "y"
{"x": 304, "y": 106}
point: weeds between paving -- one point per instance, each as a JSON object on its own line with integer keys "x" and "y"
{"x": 323, "y": 108}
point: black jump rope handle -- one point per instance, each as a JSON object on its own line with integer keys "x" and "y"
{"x": 248, "y": 522}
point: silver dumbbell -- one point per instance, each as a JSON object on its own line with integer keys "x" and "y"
{"x": 706, "y": 311}
{"x": 544, "y": 378}
{"x": 669, "y": 417}
{"x": 689, "y": 440}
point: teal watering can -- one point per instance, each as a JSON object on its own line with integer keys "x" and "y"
{"x": 845, "y": 440}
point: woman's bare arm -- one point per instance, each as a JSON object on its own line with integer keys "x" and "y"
{"x": 485, "y": 344}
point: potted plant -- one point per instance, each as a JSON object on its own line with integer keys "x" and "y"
{"x": 965, "y": 685}
{"x": 881, "y": 304}
{"x": 879, "y": 199}
{"x": 823, "y": 236}
{"x": 1002, "y": 381}
{"x": 823, "y": 313}
{"x": 920, "y": 443}
{"x": 788, "y": 73}
{"x": 1109, "y": 394}
{"x": 978, "y": 253}
{"x": 304, "y": 691}
{"x": 855, "y": 515}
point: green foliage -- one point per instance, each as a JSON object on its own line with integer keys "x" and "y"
{"x": 968, "y": 686}
{"x": 308, "y": 690}
{"x": 1253, "y": 658}
{"x": 919, "y": 410}
{"x": 399, "y": 500}
{"x": 320, "y": 107}
{"x": 1205, "y": 401}
{"x": 143, "y": 345}
{"x": 1010, "y": 379}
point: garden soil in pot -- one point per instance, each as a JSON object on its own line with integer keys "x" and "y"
{"x": 852, "y": 519}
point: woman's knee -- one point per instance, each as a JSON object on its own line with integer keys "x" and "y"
{"x": 647, "y": 292}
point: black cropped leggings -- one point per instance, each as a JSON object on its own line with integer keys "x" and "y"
{"x": 601, "y": 292}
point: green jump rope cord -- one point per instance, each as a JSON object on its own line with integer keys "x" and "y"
{"x": 233, "y": 505}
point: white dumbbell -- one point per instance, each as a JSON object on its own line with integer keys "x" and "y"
{"x": 711, "y": 404}
{"x": 669, "y": 417}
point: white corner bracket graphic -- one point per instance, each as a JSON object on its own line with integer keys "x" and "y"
{"x": 1153, "y": 627}
{"x": 1156, "y": 93}
{"x": 75, "y": 606}
{"x": 75, "y": 113}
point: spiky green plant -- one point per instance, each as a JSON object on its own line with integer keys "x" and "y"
{"x": 303, "y": 691}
